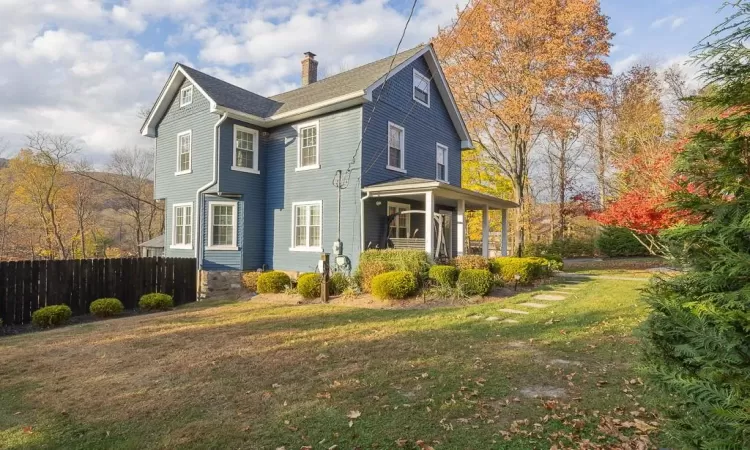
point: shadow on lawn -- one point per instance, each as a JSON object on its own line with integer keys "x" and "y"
{"x": 231, "y": 376}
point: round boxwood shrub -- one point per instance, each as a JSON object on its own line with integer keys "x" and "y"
{"x": 339, "y": 283}
{"x": 444, "y": 275}
{"x": 475, "y": 281}
{"x": 250, "y": 280}
{"x": 51, "y": 316}
{"x": 308, "y": 285}
{"x": 106, "y": 307}
{"x": 471, "y": 262}
{"x": 394, "y": 285}
{"x": 156, "y": 301}
{"x": 273, "y": 282}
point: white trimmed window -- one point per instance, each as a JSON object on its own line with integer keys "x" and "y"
{"x": 401, "y": 224}
{"x": 184, "y": 152}
{"x": 395, "y": 148}
{"x": 308, "y": 139}
{"x": 307, "y": 226}
{"x": 182, "y": 225}
{"x": 245, "y": 150}
{"x": 441, "y": 155}
{"x": 421, "y": 89}
{"x": 186, "y": 96}
{"x": 222, "y": 231}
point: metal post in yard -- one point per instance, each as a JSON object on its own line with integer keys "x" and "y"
{"x": 325, "y": 262}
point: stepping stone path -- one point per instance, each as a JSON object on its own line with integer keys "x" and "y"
{"x": 534, "y": 305}
{"x": 558, "y": 295}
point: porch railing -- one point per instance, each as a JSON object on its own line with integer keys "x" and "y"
{"x": 408, "y": 243}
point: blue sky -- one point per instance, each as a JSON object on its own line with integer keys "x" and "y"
{"x": 86, "y": 67}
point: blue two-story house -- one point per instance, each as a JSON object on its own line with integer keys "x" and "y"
{"x": 251, "y": 181}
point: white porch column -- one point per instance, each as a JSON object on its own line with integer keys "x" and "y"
{"x": 486, "y": 231}
{"x": 504, "y": 242}
{"x": 460, "y": 227}
{"x": 429, "y": 221}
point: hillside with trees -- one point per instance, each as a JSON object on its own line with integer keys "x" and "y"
{"x": 54, "y": 205}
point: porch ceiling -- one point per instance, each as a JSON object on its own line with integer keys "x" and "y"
{"x": 443, "y": 193}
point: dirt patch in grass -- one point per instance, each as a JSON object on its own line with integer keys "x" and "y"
{"x": 261, "y": 374}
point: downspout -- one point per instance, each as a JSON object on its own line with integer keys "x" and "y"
{"x": 362, "y": 222}
{"x": 198, "y": 199}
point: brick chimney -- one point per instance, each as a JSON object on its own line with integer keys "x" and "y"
{"x": 309, "y": 69}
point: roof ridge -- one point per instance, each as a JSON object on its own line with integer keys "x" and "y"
{"x": 420, "y": 46}
{"x": 185, "y": 66}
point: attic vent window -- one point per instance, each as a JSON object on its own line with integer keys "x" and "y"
{"x": 186, "y": 96}
{"x": 421, "y": 91}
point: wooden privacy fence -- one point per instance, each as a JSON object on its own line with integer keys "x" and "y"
{"x": 26, "y": 286}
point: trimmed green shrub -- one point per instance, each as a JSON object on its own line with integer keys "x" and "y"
{"x": 308, "y": 285}
{"x": 394, "y": 285}
{"x": 106, "y": 307}
{"x": 250, "y": 280}
{"x": 376, "y": 262}
{"x": 566, "y": 248}
{"x": 616, "y": 241}
{"x": 529, "y": 269}
{"x": 51, "y": 316}
{"x": 444, "y": 275}
{"x": 475, "y": 281}
{"x": 273, "y": 282}
{"x": 471, "y": 262}
{"x": 156, "y": 301}
{"x": 339, "y": 282}
{"x": 554, "y": 261}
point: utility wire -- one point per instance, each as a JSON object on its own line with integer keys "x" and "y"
{"x": 432, "y": 75}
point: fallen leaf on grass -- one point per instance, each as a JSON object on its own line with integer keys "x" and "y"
{"x": 401, "y": 442}
{"x": 28, "y": 429}
{"x": 354, "y": 414}
{"x": 323, "y": 395}
{"x": 421, "y": 444}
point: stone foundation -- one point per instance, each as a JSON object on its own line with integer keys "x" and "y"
{"x": 226, "y": 284}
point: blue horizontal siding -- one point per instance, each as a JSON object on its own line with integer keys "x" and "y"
{"x": 223, "y": 259}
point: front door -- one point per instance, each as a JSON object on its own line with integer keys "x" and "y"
{"x": 448, "y": 231}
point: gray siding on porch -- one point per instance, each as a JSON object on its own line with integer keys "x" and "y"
{"x": 376, "y": 217}
{"x": 423, "y": 129}
{"x": 339, "y": 134}
{"x": 182, "y": 188}
{"x": 252, "y": 189}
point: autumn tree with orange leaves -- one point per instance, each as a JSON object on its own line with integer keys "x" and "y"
{"x": 511, "y": 66}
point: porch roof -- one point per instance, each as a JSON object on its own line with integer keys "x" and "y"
{"x": 412, "y": 186}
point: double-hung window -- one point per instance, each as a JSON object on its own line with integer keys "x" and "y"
{"x": 442, "y": 163}
{"x": 400, "y": 225}
{"x": 186, "y": 96}
{"x": 421, "y": 89}
{"x": 182, "y": 229}
{"x": 308, "y": 138}
{"x": 307, "y": 226}
{"x": 395, "y": 148}
{"x": 222, "y": 231}
{"x": 245, "y": 150}
{"x": 184, "y": 151}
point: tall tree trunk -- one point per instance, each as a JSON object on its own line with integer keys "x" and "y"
{"x": 601, "y": 153}
{"x": 562, "y": 180}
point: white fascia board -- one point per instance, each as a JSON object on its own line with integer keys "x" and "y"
{"x": 167, "y": 92}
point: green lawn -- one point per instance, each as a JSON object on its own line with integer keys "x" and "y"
{"x": 258, "y": 375}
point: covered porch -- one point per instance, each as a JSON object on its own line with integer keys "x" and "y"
{"x": 412, "y": 213}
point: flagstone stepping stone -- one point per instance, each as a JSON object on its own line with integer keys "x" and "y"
{"x": 475, "y": 316}
{"x": 492, "y": 318}
{"x": 513, "y": 311}
{"x": 557, "y": 292}
{"x": 534, "y": 305}
{"x": 549, "y": 297}
{"x": 509, "y": 321}
{"x": 542, "y": 391}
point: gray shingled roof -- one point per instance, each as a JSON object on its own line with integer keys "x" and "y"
{"x": 157, "y": 242}
{"x": 357, "y": 79}
{"x": 231, "y": 96}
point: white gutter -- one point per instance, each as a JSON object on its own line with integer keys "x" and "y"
{"x": 362, "y": 222}
{"x": 198, "y": 206}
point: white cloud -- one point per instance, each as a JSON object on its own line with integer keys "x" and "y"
{"x": 627, "y": 31}
{"x": 154, "y": 57}
{"x": 624, "y": 64}
{"x": 129, "y": 19}
{"x": 614, "y": 49}
{"x": 677, "y": 22}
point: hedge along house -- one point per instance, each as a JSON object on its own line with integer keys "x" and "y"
{"x": 248, "y": 180}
